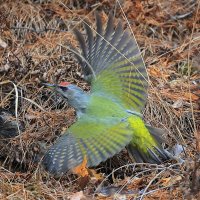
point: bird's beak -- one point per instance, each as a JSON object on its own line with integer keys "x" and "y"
{"x": 49, "y": 85}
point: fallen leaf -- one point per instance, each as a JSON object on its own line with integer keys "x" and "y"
{"x": 2, "y": 43}
{"x": 189, "y": 95}
{"x": 4, "y": 68}
{"x": 77, "y": 196}
{"x": 157, "y": 73}
{"x": 154, "y": 22}
{"x": 95, "y": 175}
{"x": 179, "y": 95}
{"x": 178, "y": 103}
{"x": 81, "y": 169}
{"x": 170, "y": 180}
{"x": 165, "y": 181}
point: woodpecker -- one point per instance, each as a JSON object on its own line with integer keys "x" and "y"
{"x": 109, "y": 117}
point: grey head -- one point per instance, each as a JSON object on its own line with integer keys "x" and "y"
{"x": 74, "y": 95}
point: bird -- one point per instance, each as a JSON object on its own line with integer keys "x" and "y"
{"x": 109, "y": 116}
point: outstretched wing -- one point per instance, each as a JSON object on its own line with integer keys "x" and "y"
{"x": 90, "y": 138}
{"x": 113, "y": 54}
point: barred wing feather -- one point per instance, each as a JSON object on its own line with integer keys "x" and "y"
{"x": 114, "y": 51}
{"x": 81, "y": 141}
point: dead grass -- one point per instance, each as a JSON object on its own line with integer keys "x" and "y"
{"x": 33, "y": 47}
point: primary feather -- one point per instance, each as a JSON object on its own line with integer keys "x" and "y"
{"x": 115, "y": 52}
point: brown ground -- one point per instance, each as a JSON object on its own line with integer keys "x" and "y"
{"x": 33, "y": 41}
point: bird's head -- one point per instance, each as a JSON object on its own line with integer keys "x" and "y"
{"x": 65, "y": 89}
{"x": 74, "y": 95}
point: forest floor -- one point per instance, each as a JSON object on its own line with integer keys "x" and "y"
{"x": 34, "y": 36}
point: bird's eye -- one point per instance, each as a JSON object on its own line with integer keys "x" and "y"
{"x": 64, "y": 89}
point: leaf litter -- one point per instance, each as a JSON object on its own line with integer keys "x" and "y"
{"x": 35, "y": 36}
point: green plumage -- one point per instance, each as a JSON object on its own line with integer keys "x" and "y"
{"x": 112, "y": 63}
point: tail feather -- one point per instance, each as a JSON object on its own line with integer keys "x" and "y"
{"x": 136, "y": 155}
{"x": 157, "y": 133}
{"x": 140, "y": 157}
{"x": 156, "y": 154}
{"x": 162, "y": 153}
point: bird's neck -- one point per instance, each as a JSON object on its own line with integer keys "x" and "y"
{"x": 79, "y": 102}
